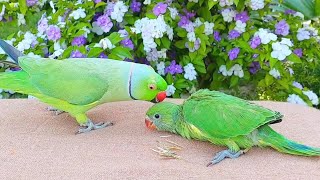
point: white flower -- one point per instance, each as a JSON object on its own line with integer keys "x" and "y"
{"x": 21, "y": 19}
{"x": 170, "y": 32}
{"x": 312, "y": 97}
{"x": 286, "y": 41}
{"x": 123, "y": 33}
{"x": 79, "y": 13}
{"x": 119, "y": 10}
{"x": 275, "y": 73}
{"x": 162, "y": 53}
{"x": 225, "y": 3}
{"x": 190, "y": 72}
{"x": 303, "y": 34}
{"x": 86, "y": 31}
{"x": 237, "y": 70}
{"x": 4, "y": 1}
{"x": 173, "y": 12}
{"x": 160, "y": 68}
{"x": 228, "y": 14}
{"x": 280, "y": 51}
{"x": 147, "y": 2}
{"x": 299, "y": 14}
{"x": 224, "y": 71}
{"x": 105, "y": 43}
{"x": 170, "y": 90}
{"x": 2, "y": 12}
{"x": 240, "y": 26}
{"x": 191, "y": 36}
{"x": 266, "y": 36}
{"x": 195, "y": 1}
{"x": 29, "y": 40}
{"x": 52, "y": 6}
{"x": 96, "y": 28}
{"x": 31, "y": 54}
{"x": 295, "y": 99}
{"x": 257, "y": 4}
{"x": 197, "y": 22}
{"x": 208, "y": 29}
{"x": 58, "y": 49}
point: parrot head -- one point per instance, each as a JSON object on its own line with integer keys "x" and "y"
{"x": 146, "y": 84}
{"x": 162, "y": 116}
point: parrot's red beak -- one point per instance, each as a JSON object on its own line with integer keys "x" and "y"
{"x": 149, "y": 124}
{"x": 161, "y": 96}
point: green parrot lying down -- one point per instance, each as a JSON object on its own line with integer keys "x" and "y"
{"x": 224, "y": 120}
{"x": 78, "y": 85}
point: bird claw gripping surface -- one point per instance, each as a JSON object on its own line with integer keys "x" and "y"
{"x": 225, "y": 154}
{"x": 91, "y": 126}
{"x": 56, "y": 111}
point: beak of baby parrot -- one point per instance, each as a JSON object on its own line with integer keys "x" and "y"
{"x": 149, "y": 124}
{"x": 160, "y": 97}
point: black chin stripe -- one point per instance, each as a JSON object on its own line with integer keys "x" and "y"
{"x": 130, "y": 81}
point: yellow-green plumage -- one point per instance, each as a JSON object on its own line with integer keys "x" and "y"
{"x": 225, "y": 120}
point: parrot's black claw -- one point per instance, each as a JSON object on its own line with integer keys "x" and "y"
{"x": 56, "y": 111}
{"x": 91, "y": 126}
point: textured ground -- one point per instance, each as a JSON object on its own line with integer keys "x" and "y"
{"x": 35, "y": 144}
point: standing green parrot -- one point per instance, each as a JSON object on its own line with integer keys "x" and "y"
{"x": 79, "y": 84}
{"x": 224, "y": 120}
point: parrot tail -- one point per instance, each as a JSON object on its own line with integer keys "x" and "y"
{"x": 268, "y": 137}
{"x": 12, "y": 52}
{"x": 17, "y": 81}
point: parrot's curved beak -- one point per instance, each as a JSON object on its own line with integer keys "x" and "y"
{"x": 149, "y": 124}
{"x": 160, "y": 97}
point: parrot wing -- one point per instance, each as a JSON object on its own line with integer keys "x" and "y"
{"x": 76, "y": 81}
{"x": 224, "y": 116}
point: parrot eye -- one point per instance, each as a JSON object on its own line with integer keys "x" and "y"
{"x": 152, "y": 86}
{"x": 157, "y": 116}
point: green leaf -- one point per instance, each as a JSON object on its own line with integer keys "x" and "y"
{"x": 166, "y": 42}
{"x": 115, "y": 38}
{"x": 269, "y": 79}
{"x": 95, "y": 52}
{"x": 211, "y": 3}
{"x": 66, "y": 53}
{"x": 199, "y": 64}
{"x": 294, "y": 58}
{"x": 114, "y": 57}
{"x": 273, "y": 62}
{"x": 246, "y": 36}
{"x": 169, "y": 78}
{"x": 181, "y": 32}
{"x": 23, "y": 6}
{"x": 234, "y": 81}
{"x": 100, "y": 4}
{"x": 180, "y": 44}
{"x": 123, "y": 52}
{"x": 236, "y": 2}
{"x": 283, "y": 83}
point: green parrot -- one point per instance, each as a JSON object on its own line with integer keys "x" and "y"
{"x": 224, "y": 120}
{"x": 77, "y": 85}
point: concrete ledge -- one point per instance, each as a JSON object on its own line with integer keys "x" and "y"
{"x": 35, "y": 144}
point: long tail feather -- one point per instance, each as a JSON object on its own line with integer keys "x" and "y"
{"x": 12, "y": 52}
{"x": 269, "y": 137}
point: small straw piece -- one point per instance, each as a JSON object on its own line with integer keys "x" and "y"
{"x": 166, "y": 152}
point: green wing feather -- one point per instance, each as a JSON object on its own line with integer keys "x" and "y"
{"x": 223, "y": 116}
{"x": 76, "y": 81}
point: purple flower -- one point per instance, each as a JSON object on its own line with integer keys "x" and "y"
{"x": 53, "y": 32}
{"x": 79, "y": 41}
{"x": 96, "y": 16}
{"x": 243, "y": 17}
{"x": 127, "y": 43}
{"x": 31, "y": 2}
{"x": 233, "y": 53}
{"x": 105, "y": 23}
{"x": 109, "y": 8}
{"x": 255, "y": 55}
{"x": 298, "y": 52}
{"x": 77, "y": 54}
{"x": 97, "y": 1}
{"x": 189, "y": 14}
{"x": 184, "y": 20}
{"x": 103, "y": 55}
{"x": 160, "y": 8}
{"x": 233, "y": 34}
{"x": 195, "y": 47}
{"x": 297, "y": 85}
{"x": 173, "y": 68}
{"x": 135, "y": 6}
{"x": 282, "y": 28}
{"x": 255, "y": 42}
{"x": 189, "y": 27}
{"x": 217, "y": 36}
{"x": 254, "y": 67}
{"x": 290, "y": 11}
{"x": 42, "y": 24}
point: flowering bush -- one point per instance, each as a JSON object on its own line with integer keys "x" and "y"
{"x": 218, "y": 44}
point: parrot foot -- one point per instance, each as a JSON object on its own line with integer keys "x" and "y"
{"x": 225, "y": 154}
{"x": 56, "y": 111}
{"x": 91, "y": 126}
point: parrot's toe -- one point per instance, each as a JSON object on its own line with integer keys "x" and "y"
{"x": 91, "y": 126}
{"x": 225, "y": 154}
{"x": 56, "y": 111}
